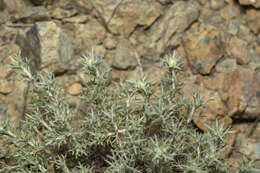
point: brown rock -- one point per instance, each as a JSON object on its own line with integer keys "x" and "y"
{"x": 204, "y": 48}
{"x": 230, "y": 11}
{"x": 238, "y": 49}
{"x": 15, "y": 6}
{"x": 74, "y": 89}
{"x": 31, "y": 15}
{"x": 126, "y": 15}
{"x": 253, "y": 17}
{"x": 5, "y": 87}
{"x": 5, "y": 72}
{"x": 214, "y": 108}
{"x": 89, "y": 34}
{"x": 110, "y": 43}
{"x": 47, "y": 46}
{"x": 125, "y": 57}
{"x": 169, "y": 31}
{"x": 226, "y": 66}
{"x": 243, "y": 94}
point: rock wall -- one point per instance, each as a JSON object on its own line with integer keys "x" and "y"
{"x": 218, "y": 40}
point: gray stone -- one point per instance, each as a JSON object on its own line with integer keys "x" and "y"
{"x": 168, "y": 31}
{"x": 47, "y": 46}
{"x": 125, "y": 55}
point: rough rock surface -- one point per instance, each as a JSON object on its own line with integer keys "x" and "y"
{"x": 47, "y": 46}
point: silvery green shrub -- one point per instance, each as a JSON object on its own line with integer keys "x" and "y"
{"x": 127, "y": 128}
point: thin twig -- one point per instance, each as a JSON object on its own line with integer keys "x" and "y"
{"x": 139, "y": 63}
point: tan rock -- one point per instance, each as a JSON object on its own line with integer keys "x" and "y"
{"x": 238, "y": 49}
{"x": 131, "y": 13}
{"x": 47, "y": 46}
{"x": 89, "y": 34}
{"x": 227, "y": 66}
{"x": 5, "y": 72}
{"x": 110, "y": 43}
{"x": 5, "y": 87}
{"x": 230, "y": 11}
{"x": 253, "y": 17}
{"x": 243, "y": 94}
{"x": 74, "y": 89}
{"x": 125, "y": 56}
{"x": 203, "y": 48}
{"x": 214, "y": 109}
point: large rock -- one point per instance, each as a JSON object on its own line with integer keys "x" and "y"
{"x": 253, "y": 17}
{"x": 14, "y": 6}
{"x": 88, "y": 35}
{"x": 13, "y": 92}
{"x": 167, "y": 32}
{"x": 31, "y": 15}
{"x": 237, "y": 49}
{"x": 243, "y": 94}
{"x": 125, "y": 57}
{"x": 47, "y": 46}
{"x": 215, "y": 109}
{"x": 122, "y": 17}
{"x": 204, "y": 48}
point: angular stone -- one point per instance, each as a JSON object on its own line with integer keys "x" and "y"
{"x": 204, "y": 48}
{"x": 243, "y": 94}
{"x": 122, "y": 17}
{"x": 253, "y": 17}
{"x": 237, "y": 48}
{"x": 31, "y": 15}
{"x": 5, "y": 72}
{"x": 110, "y": 43}
{"x": 226, "y": 66}
{"x": 12, "y": 107}
{"x": 89, "y": 34}
{"x": 215, "y": 109}
{"x": 84, "y": 6}
{"x": 5, "y": 87}
{"x": 168, "y": 31}
{"x": 125, "y": 57}
{"x": 230, "y": 11}
{"x": 15, "y": 6}
{"x": 47, "y": 46}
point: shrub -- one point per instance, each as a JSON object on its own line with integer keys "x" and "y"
{"x": 125, "y": 128}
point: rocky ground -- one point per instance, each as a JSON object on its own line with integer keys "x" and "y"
{"x": 218, "y": 42}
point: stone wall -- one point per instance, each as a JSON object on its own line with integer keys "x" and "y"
{"x": 218, "y": 41}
